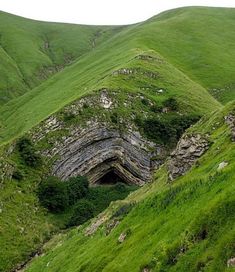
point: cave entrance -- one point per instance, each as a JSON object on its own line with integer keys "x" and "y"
{"x": 111, "y": 178}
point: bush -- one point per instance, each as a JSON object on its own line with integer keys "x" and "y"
{"x": 53, "y": 195}
{"x": 145, "y": 101}
{"x": 17, "y": 175}
{"x": 171, "y": 103}
{"x": 77, "y": 188}
{"x": 83, "y": 211}
{"x": 120, "y": 187}
{"x": 69, "y": 116}
{"x": 156, "y": 108}
{"x": 28, "y": 152}
{"x": 167, "y": 130}
{"x": 114, "y": 118}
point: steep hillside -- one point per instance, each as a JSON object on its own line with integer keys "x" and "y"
{"x": 111, "y": 104}
{"x": 198, "y": 41}
{"x": 93, "y": 71}
{"x": 187, "y": 38}
{"x": 31, "y": 51}
{"x": 187, "y": 225}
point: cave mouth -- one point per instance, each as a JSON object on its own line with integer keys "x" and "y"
{"x": 110, "y": 178}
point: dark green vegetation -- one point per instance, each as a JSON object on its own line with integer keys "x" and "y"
{"x": 162, "y": 75}
{"x": 28, "y": 153}
{"x": 168, "y": 129}
{"x": 25, "y": 225}
{"x": 185, "y": 226}
{"x": 75, "y": 197}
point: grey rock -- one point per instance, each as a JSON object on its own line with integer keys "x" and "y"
{"x": 231, "y": 262}
{"x": 222, "y": 165}
{"x": 188, "y": 150}
{"x": 96, "y": 150}
{"x": 122, "y": 237}
{"x": 230, "y": 121}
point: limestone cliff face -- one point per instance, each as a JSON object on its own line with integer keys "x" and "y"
{"x": 97, "y": 145}
{"x": 98, "y": 149}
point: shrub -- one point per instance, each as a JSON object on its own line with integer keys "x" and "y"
{"x": 145, "y": 101}
{"x": 53, "y": 195}
{"x": 77, "y": 188}
{"x": 28, "y": 152}
{"x": 171, "y": 103}
{"x": 17, "y": 175}
{"x": 83, "y": 211}
{"x": 156, "y": 108}
{"x": 114, "y": 118}
{"x": 120, "y": 187}
{"x": 167, "y": 130}
{"x": 138, "y": 121}
{"x": 68, "y": 116}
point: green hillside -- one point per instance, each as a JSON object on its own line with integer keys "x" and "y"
{"x": 198, "y": 41}
{"x": 52, "y": 79}
{"x": 32, "y": 51}
{"x": 185, "y": 226}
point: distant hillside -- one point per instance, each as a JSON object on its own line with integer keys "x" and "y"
{"x": 31, "y": 51}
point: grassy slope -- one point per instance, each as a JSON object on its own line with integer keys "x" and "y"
{"x": 89, "y": 73}
{"x": 199, "y": 41}
{"x": 184, "y": 226}
{"x": 24, "y": 224}
{"x": 30, "y": 50}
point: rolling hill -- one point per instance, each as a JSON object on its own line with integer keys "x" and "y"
{"x": 134, "y": 98}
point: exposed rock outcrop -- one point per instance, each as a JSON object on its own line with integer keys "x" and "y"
{"x": 122, "y": 237}
{"x": 136, "y": 71}
{"x": 230, "y": 120}
{"x": 188, "y": 150}
{"x": 231, "y": 262}
{"x": 222, "y": 165}
{"x": 96, "y": 150}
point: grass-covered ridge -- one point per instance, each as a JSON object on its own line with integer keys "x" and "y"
{"x": 184, "y": 226}
{"x": 184, "y": 55}
{"x": 186, "y": 39}
{"x": 94, "y": 72}
{"x": 31, "y": 51}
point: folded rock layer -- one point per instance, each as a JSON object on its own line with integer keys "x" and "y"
{"x": 98, "y": 150}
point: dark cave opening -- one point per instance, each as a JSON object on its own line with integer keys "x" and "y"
{"x": 111, "y": 178}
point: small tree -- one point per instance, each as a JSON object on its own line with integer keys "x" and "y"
{"x": 83, "y": 211}
{"x": 77, "y": 188}
{"x": 53, "y": 194}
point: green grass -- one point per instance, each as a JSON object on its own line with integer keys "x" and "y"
{"x": 186, "y": 39}
{"x": 25, "y": 225}
{"x": 20, "y": 115}
{"x": 31, "y": 51}
{"x": 187, "y": 225}
{"x": 46, "y": 66}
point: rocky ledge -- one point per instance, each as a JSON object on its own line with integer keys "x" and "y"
{"x": 230, "y": 120}
{"x": 98, "y": 150}
{"x": 188, "y": 150}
